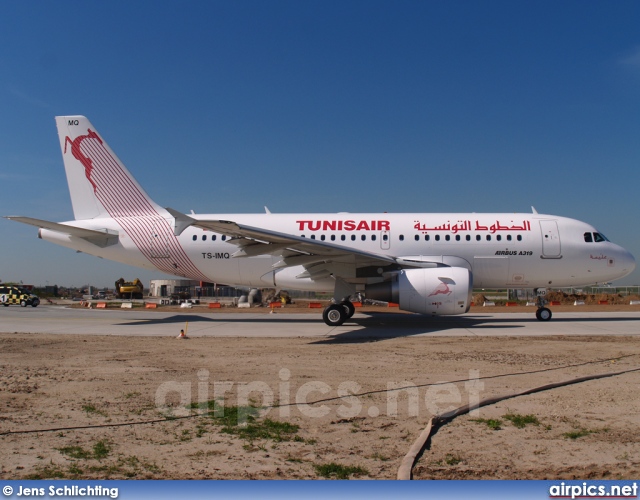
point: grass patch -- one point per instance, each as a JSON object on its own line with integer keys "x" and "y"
{"x": 581, "y": 433}
{"x": 521, "y": 421}
{"x": 243, "y": 421}
{"x": 495, "y": 424}
{"x": 91, "y": 409}
{"x": 338, "y": 471}
{"x": 76, "y": 452}
{"x": 267, "y": 429}
{"x": 51, "y": 471}
{"x": 228, "y": 416}
{"x": 74, "y": 470}
{"x": 452, "y": 459}
{"x": 100, "y": 450}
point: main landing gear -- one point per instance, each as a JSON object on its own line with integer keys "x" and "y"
{"x": 336, "y": 314}
{"x": 543, "y": 313}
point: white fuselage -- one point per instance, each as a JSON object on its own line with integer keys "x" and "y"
{"x": 501, "y": 250}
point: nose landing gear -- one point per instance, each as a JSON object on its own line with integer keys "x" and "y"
{"x": 543, "y": 313}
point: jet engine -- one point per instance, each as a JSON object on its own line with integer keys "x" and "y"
{"x": 437, "y": 291}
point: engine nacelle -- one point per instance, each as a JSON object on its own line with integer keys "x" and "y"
{"x": 438, "y": 291}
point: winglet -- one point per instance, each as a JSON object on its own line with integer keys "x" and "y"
{"x": 533, "y": 209}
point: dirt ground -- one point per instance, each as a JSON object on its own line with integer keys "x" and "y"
{"x": 73, "y": 390}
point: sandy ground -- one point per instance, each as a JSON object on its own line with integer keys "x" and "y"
{"x": 65, "y": 382}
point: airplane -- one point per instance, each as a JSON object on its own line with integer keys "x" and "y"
{"x": 427, "y": 263}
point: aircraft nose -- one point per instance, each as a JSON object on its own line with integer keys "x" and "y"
{"x": 626, "y": 261}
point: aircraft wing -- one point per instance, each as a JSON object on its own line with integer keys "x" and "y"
{"x": 102, "y": 238}
{"x": 320, "y": 258}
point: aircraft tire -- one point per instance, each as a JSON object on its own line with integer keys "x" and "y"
{"x": 350, "y": 308}
{"x": 543, "y": 314}
{"x": 334, "y": 315}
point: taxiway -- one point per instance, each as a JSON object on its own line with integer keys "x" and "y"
{"x": 61, "y": 320}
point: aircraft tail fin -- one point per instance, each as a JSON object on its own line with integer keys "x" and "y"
{"x": 99, "y": 183}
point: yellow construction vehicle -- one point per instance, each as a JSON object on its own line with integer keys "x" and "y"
{"x": 129, "y": 289}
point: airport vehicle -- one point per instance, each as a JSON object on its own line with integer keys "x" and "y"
{"x": 425, "y": 262}
{"x": 10, "y": 294}
{"x": 129, "y": 289}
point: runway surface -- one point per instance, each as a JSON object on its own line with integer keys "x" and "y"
{"x": 52, "y": 319}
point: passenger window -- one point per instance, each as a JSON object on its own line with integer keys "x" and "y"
{"x": 385, "y": 237}
{"x": 427, "y": 237}
{"x": 343, "y": 237}
{"x": 204, "y": 237}
{"x": 333, "y": 237}
{"x": 478, "y": 237}
{"x": 437, "y": 237}
{"x": 519, "y": 237}
{"x": 508, "y": 237}
{"x": 468, "y": 237}
{"x": 417, "y": 237}
{"x": 447, "y": 237}
{"x": 313, "y": 236}
{"x": 457, "y": 237}
{"x": 213, "y": 238}
{"x": 223, "y": 237}
{"x": 588, "y": 238}
{"x": 353, "y": 237}
{"x": 195, "y": 237}
{"x": 402, "y": 237}
{"x": 498, "y": 237}
{"x": 363, "y": 237}
{"x": 322, "y": 237}
{"x": 373, "y": 237}
{"x": 488, "y": 237}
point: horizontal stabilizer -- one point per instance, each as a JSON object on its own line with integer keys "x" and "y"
{"x": 101, "y": 237}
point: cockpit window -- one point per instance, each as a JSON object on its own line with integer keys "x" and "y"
{"x": 597, "y": 237}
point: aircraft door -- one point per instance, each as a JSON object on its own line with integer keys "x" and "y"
{"x": 550, "y": 239}
{"x": 385, "y": 240}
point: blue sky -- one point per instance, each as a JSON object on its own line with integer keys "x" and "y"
{"x": 323, "y": 106}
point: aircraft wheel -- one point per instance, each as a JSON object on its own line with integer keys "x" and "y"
{"x": 334, "y": 315}
{"x": 23, "y": 303}
{"x": 350, "y": 308}
{"x": 543, "y": 314}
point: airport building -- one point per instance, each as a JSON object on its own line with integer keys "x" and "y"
{"x": 164, "y": 288}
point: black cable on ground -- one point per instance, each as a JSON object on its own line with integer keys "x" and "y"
{"x": 406, "y": 466}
